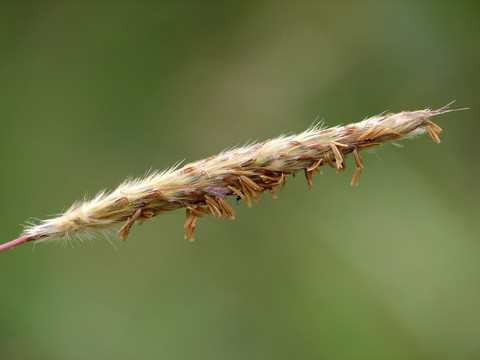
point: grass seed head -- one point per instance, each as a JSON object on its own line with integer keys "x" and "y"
{"x": 246, "y": 172}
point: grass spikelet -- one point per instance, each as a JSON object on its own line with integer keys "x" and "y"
{"x": 203, "y": 186}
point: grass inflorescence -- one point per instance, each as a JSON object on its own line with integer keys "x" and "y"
{"x": 247, "y": 172}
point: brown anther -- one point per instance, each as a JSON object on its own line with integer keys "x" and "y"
{"x": 125, "y": 229}
{"x": 435, "y": 127}
{"x": 279, "y": 181}
{"x": 336, "y": 143}
{"x": 358, "y": 170}
{"x": 248, "y": 190}
{"x": 250, "y": 183}
{"x": 269, "y": 179}
{"x": 272, "y": 192}
{"x": 358, "y": 159}
{"x": 227, "y": 209}
{"x": 245, "y": 188}
{"x": 433, "y": 131}
{"x": 242, "y": 172}
{"x": 329, "y": 161}
{"x": 337, "y": 154}
{"x": 195, "y": 212}
{"x": 284, "y": 182}
{"x": 433, "y": 134}
{"x": 190, "y": 225}
{"x": 136, "y": 215}
{"x": 254, "y": 195}
{"x": 369, "y": 144}
{"x": 344, "y": 166}
{"x": 309, "y": 177}
{"x": 236, "y": 191}
{"x": 188, "y": 213}
{"x": 248, "y": 201}
{"x": 356, "y": 176}
{"x": 368, "y": 135}
{"x": 211, "y": 209}
{"x": 213, "y": 206}
{"x": 204, "y": 210}
{"x": 193, "y": 227}
{"x": 280, "y": 178}
{"x": 315, "y": 165}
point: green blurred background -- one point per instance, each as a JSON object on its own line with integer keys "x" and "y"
{"x": 92, "y": 92}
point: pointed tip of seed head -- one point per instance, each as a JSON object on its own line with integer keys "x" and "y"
{"x": 446, "y": 109}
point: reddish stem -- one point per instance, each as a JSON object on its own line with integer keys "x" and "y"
{"x": 21, "y": 240}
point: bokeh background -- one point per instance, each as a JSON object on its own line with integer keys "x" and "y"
{"x": 92, "y": 92}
